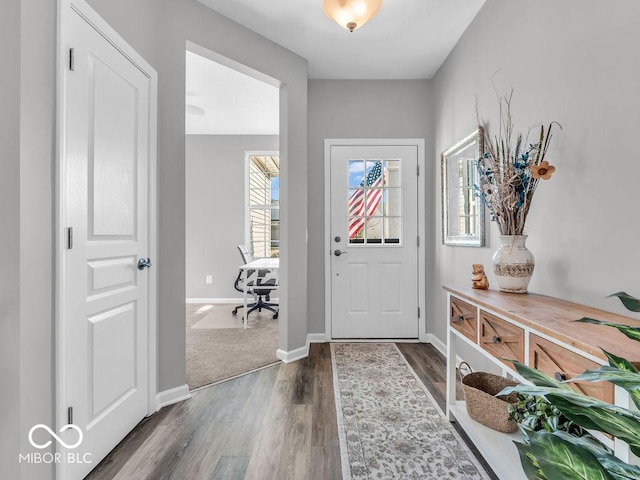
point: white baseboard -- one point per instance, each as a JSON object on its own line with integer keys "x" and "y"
{"x": 436, "y": 342}
{"x": 440, "y": 346}
{"x": 302, "y": 352}
{"x": 214, "y": 300}
{"x": 217, "y": 301}
{"x": 316, "y": 338}
{"x": 171, "y": 396}
{"x": 376, "y": 340}
{"x": 293, "y": 355}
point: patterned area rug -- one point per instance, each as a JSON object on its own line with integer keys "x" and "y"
{"x": 390, "y": 426}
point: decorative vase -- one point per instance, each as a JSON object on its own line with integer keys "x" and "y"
{"x": 513, "y": 264}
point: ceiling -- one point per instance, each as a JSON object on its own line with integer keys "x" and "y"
{"x": 223, "y": 101}
{"x": 408, "y": 39}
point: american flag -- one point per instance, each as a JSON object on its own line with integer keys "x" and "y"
{"x": 358, "y": 207}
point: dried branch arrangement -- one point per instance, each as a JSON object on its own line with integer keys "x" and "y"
{"x": 509, "y": 171}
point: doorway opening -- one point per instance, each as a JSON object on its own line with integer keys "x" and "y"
{"x": 232, "y": 202}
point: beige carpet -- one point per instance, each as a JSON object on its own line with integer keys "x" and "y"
{"x": 219, "y": 348}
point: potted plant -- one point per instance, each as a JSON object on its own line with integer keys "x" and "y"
{"x": 559, "y": 455}
{"x": 536, "y": 413}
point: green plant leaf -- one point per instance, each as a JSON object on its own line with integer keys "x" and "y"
{"x": 559, "y": 458}
{"x": 630, "y": 303}
{"x": 618, "y": 469}
{"x": 626, "y": 379}
{"x": 631, "y": 332}
{"x": 609, "y": 374}
{"x": 536, "y": 377}
{"x": 589, "y": 413}
{"x": 588, "y": 441}
{"x": 621, "y": 363}
{"x": 584, "y": 421}
{"x": 617, "y": 421}
{"x": 529, "y": 464}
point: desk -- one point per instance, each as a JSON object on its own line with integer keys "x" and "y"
{"x": 270, "y": 264}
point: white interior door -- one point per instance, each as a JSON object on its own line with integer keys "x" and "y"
{"x": 105, "y": 313}
{"x": 374, "y": 241}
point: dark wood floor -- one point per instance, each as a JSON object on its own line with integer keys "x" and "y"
{"x": 277, "y": 423}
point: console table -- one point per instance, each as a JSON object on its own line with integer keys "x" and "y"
{"x": 538, "y": 331}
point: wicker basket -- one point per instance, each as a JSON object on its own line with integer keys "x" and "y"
{"x": 479, "y": 390}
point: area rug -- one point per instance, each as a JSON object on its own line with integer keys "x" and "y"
{"x": 390, "y": 426}
{"x": 218, "y": 353}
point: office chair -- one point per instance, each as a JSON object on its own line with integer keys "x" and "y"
{"x": 261, "y": 295}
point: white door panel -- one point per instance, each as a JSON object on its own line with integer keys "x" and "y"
{"x": 105, "y": 297}
{"x": 374, "y": 228}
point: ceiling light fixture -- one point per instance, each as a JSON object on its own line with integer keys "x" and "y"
{"x": 351, "y": 14}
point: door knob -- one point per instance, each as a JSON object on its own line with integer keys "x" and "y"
{"x": 337, "y": 252}
{"x": 144, "y": 263}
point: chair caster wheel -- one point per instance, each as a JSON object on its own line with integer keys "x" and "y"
{"x": 234, "y": 312}
{"x": 275, "y": 315}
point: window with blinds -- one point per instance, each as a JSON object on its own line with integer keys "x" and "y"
{"x": 264, "y": 206}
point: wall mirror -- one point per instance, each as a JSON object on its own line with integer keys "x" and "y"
{"x": 462, "y": 209}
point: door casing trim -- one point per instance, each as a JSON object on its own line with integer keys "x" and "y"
{"x": 419, "y": 143}
{"x": 80, "y": 7}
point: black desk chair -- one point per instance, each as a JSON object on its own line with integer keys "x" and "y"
{"x": 260, "y": 295}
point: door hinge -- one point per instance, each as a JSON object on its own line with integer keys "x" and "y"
{"x": 72, "y": 59}
{"x": 418, "y": 170}
{"x": 70, "y": 415}
{"x": 418, "y": 312}
{"x": 418, "y": 243}
{"x": 69, "y": 238}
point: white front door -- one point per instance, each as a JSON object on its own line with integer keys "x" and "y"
{"x": 374, "y": 241}
{"x": 105, "y": 206}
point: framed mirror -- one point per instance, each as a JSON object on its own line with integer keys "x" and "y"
{"x": 462, "y": 209}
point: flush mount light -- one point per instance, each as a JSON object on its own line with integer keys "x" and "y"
{"x": 351, "y": 14}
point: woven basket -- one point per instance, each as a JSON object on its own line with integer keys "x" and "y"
{"x": 479, "y": 390}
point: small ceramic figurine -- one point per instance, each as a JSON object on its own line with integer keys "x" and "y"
{"x": 479, "y": 279}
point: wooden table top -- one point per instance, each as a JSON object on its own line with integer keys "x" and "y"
{"x": 554, "y": 317}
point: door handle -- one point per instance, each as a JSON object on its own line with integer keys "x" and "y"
{"x": 144, "y": 263}
{"x": 559, "y": 376}
{"x": 337, "y": 252}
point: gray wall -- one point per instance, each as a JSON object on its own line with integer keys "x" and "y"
{"x": 357, "y": 109}
{"x": 10, "y": 239}
{"x": 26, "y": 159}
{"x": 37, "y": 138}
{"x": 159, "y": 30}
{"x": 575, "y": 62}
{"x": 215, "y": 179}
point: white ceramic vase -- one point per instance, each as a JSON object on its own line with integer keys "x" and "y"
{"x": 513, "y": 264}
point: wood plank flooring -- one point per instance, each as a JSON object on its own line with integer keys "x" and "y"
{"x": 277, "y": 423}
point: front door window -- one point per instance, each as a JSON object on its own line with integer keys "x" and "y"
{"x": 374, "y": 202}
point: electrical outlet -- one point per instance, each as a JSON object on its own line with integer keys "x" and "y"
{"x": 209, "y": 279}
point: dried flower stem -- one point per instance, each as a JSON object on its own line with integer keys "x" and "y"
{"x": 506, "y": 183}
